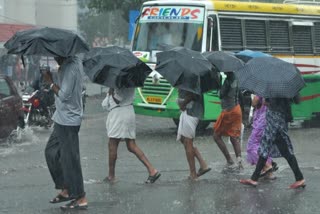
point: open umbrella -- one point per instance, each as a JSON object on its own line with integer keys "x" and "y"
{"x": 188, "y": 70}
{"x": 46, "y": 42}
{"x": 115, "y": 67}
{"x": 223, "y": 61}
{"x": 270, "y": 77}
{"x": 246, "y": 55}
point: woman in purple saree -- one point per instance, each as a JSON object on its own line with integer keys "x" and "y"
{"x": 258, "y": 126}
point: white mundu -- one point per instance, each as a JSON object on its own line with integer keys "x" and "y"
{"x": 187, "y": 126}
{"x": 121, "y": 121}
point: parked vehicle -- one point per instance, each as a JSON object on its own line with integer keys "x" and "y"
{"x": 36, "y": 111}
{"x": 11, "y": 115}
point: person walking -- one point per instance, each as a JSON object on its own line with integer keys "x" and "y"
{"x": 121, "y": 124}
{"x": 191, "y": 106}
{"x": 62, "y": 150}
{"x": 258, "y": 126}
{"x": 275, "y": 140}
{"x": 229, "y": 122}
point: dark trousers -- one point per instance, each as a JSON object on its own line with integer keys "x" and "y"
{"x": 63, "y": 159}
{"x": 291, "y": 159}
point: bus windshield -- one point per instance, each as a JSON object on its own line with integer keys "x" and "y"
{"x": 161, "y": 28}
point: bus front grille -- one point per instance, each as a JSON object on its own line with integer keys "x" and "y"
{"x": 162, "y": 87}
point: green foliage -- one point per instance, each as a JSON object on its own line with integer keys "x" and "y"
{"x": 124, "y": 6}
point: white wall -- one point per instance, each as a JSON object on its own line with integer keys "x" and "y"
{"x": 57, "y": 13}
{"x": 51, "y": 13}
{"x": 18, "y": 11}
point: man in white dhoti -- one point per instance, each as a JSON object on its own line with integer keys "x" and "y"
{"x": 191, "y": 106}
{"x": 121, "y": 125}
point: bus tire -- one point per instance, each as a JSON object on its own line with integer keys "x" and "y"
{"x": 202, "y": 125}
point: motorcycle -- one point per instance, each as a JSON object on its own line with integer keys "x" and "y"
{"x": 35, "y": 112}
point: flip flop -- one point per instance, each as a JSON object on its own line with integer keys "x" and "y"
{"x": 296, "y": 185}
{"x": 274, "y": 166}
{"x": 59, "y": 198}
{"x": 74, "y": 205}
{"x": 248, "y": 182}
{"x": 152, "y": 179}
{"x": 264, "y": 173}
{"x": 203, "y": 171}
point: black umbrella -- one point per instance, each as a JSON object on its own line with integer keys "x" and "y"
{"x": 224, "y": 61}
{"x": 270, "y": 77}
{"x": 246, "y": 55}
{"x": 115, "y": 67}
{"x": 46, "y": 42}
{"x": 188, "y": 70}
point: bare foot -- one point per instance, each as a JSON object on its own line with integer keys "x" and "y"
{"x": 110, "y": 180}
{"x": 249, "y": 182}
{"x": 194, "y": 178}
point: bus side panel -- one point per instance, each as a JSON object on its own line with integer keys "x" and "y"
{"x": 310, "y": 99}
{"x": 212, "y": 106}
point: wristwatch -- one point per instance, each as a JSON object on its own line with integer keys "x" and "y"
{"x": 51, "y": 86}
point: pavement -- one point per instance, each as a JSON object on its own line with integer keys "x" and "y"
{"x": 26, "y": 186}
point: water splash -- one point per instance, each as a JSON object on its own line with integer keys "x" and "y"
{"x": 17, "y": 139}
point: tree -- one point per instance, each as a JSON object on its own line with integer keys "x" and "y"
{"x": 124, "y": 6}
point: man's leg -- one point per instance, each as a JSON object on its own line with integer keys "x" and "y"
{"x": 52, "y": 155}
{"x": 70, "y": 161}
{"x": 190, "y": 153}
{"x": 132, "y": 147}
{"x": 237, "y": 150}
{"x": 222, "y": 146}
{"x": 113, "y": 154}
{"x": 202, "y": 162}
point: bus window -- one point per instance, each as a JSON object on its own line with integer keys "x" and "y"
{"x": 302, "y": 40}
{"x": 279, "y": 37}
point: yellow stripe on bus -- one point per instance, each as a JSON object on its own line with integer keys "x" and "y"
{"x": 255, "y": 7}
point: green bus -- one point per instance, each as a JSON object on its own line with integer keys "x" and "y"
{"x": 288, "y": 31}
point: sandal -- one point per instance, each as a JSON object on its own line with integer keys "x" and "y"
{"x": 74, "y": 205}
{"x": 203, "y": 171}
{"x": 152, "y": 179}
{"x": 249, "y": 182}
{"x": 274, "y": 166}
{"x": 298, "y": 184}
{"x": 264, "y": 173}
{"x": 59, "y": 198}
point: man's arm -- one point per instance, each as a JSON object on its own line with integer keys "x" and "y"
{"x": 188, "y": 98}
{"x": 63, "y": 91}
{"x": 224, "y": 89}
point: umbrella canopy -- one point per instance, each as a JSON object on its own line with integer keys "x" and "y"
{"x": 115, "y": 67}
{"x": 270, "y": 77}
{"x": 246, "y": 55}
{"x": 46, "y": 42}
{"x": 224, "y": 61}
{"x": 187, "y": 70}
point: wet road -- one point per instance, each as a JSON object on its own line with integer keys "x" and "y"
{"x": 26, "y": 186}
